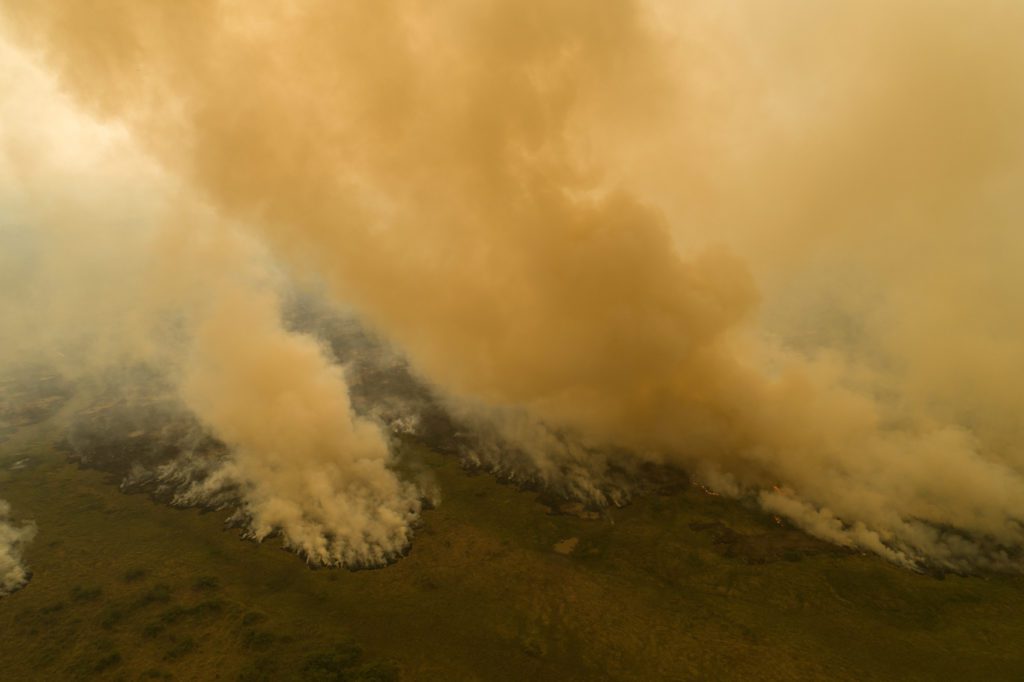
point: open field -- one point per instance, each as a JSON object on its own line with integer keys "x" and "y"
{"x": 676, "y": 586}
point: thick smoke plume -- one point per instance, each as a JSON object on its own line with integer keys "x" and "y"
{"x": 305, "y": 463}
{"x": 151, "y": 303}
{"x": 13, "y": 573}
{"x": 774, "y": 244}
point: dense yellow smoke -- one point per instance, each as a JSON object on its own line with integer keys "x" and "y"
{"x": 108, "y": 265}
{"x": 304, "y": 464}
{"x": 774, "y": 243}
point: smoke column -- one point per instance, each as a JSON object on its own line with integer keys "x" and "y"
{"x": 108, "y": 264}
{"x": 774, "y": 246}
{"x": 12, "y": 538}
{"x": 304, "y": 462}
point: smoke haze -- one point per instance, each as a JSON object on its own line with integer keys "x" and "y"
{"x": 777, "y": 247}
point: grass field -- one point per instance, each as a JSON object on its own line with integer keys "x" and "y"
{"x": 671, "y": 587}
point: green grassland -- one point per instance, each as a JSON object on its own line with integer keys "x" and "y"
{"x": 675, "y": 586}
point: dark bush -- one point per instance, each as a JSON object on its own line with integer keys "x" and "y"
{"x": 79, "y": 593}
{"x": 205, "y": 583}
{"x": 134, "y": 575}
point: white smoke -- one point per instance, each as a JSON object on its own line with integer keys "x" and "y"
{"x": 13, "y": 538}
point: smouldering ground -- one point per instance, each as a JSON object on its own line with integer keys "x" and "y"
{"x": 125, "y": 588}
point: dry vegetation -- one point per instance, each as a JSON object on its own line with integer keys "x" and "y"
{"x": 677, "y": 585}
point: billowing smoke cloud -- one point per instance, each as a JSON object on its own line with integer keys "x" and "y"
{"x": 305, "y": 463}
{"x": 127, "y": 272}
{"x": 774, "y": 245}
{"x": 13, "y": 538}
